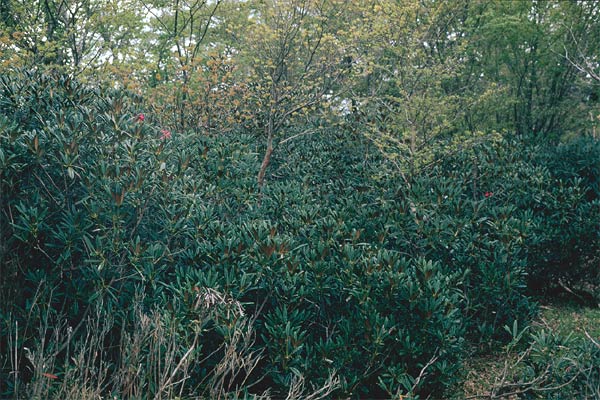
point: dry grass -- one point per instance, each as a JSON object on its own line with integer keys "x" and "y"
{"x": 481, "y": 374}
{"x": 153, "y": 360}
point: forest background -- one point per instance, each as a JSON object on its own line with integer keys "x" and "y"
{"x": 296, "y": 198}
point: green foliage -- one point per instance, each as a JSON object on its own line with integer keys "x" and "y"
{"x": 554, "y": 190}
{"x": 560, "y": 366}
{"x": 89, "y": 36}
{"x": 100, "y": 208}
{"x": 347, "y": 266}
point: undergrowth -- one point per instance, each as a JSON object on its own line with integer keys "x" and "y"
{"x": 140, "y": 264}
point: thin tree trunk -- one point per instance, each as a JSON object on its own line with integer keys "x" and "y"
{"x": 413, "y": 148}
{"x": 265, "y": 164}
{"x": 266, "y": 159}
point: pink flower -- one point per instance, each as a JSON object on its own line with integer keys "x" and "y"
{"x": 140, "y": 117}
{"x": 166, "y": 134}
{"x": 488, "y": 194}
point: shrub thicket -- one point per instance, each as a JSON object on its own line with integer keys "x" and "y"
{"x": 346, "y": 268}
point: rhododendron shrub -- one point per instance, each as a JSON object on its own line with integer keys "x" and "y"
{"x": 347, "y": 268}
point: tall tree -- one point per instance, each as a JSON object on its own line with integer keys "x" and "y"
{"x": 520, "y": 44}
{"x": 407, "y": 56}
{"x": 73, "y": 35}
{"x": 292, "y": 58}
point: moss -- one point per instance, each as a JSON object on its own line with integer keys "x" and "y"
{"x": 571, "y": 320}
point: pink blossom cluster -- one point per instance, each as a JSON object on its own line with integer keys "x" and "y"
{"x": 164, "y": 133}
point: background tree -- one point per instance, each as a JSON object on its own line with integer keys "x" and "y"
{"x": 77, "y": 36}
{"x": 519, "y": 48}
{"x": 178, "y": 47}
{"x": 292, "y": 59}
{"x": 407, "y": 59}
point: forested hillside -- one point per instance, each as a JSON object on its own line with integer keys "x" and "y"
{"x": 297, "y": 199}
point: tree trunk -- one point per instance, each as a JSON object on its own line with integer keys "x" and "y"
{"x": 266, "y": 159}
{"x": 264, "y": 165}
